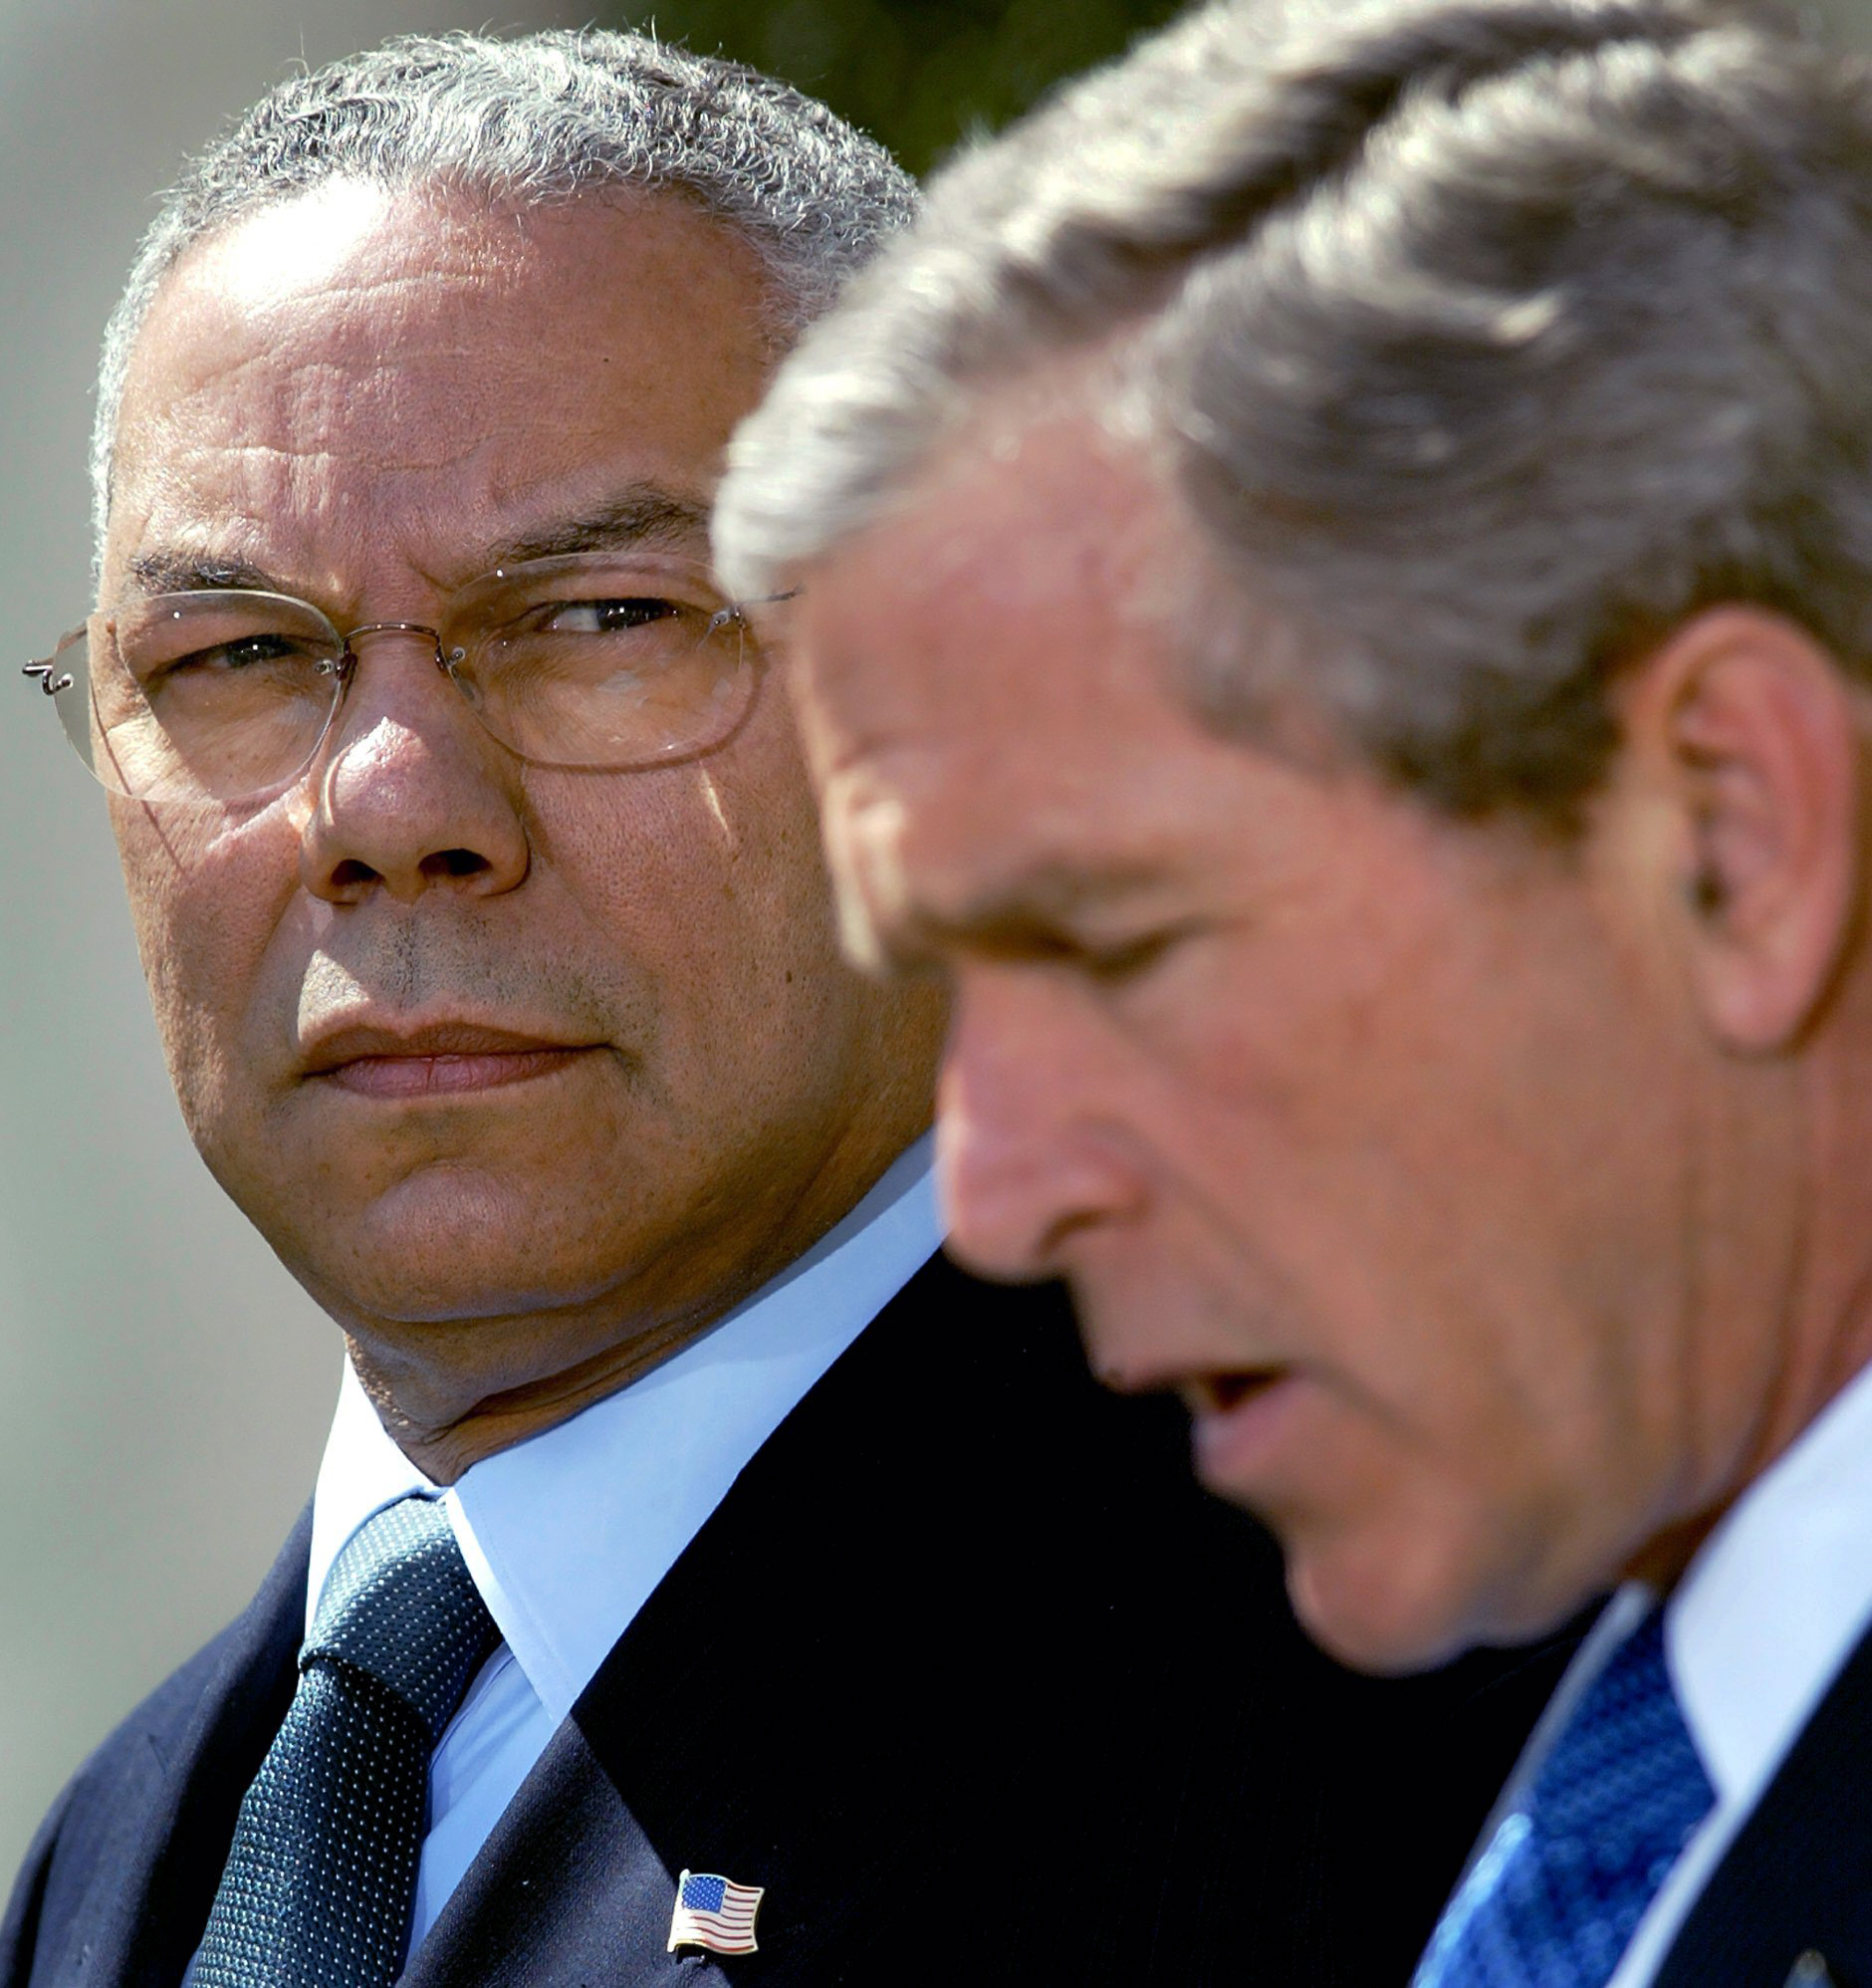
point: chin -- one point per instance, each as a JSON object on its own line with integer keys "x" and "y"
{"x": 405, "y": 1305}
{"x": 1388, "y": 1605}
{"x": 436, "y": 1251}
{"x": 1409, "y": 1600}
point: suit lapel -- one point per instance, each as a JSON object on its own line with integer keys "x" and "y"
{"x": 803, "y": 1704}
{"x": 566, "y": 1888}
{"x": 697, "y": 1742}
{"x": 740, "y": 1725}
{"x": 161, "y": 1834}
{"x": 1797, "y": 1880}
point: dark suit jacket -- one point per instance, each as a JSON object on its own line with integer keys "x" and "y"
{"x": 965, "y": 1671}
{"x": 1798, "y": 1877}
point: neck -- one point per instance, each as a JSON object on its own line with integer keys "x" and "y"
{"x": 452, "y": 1392}
{"x": 1791, "y": 1254}
{"x": 444, "y": 1448}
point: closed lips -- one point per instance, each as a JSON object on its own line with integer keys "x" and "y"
{"x": 439, "y": 1058}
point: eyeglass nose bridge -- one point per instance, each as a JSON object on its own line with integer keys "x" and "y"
{"x": 345, "y": 667}
{"x": 445, "y": 659}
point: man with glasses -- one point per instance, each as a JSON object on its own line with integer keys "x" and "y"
{"x": 702, "y": 1579}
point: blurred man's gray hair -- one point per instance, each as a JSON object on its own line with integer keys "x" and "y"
{"x": 1481, "y": 338}
{"x": 544, "y": 117}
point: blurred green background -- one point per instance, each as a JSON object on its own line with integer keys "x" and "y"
{"x": 922, "y": 73}
{"x": 917, "y": 73}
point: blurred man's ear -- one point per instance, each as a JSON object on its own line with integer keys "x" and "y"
{"x": 1745, "y": 745}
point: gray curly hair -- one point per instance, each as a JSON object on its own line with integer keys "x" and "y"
{"x": 541, "y": 118}
{"x": 1482, "y": 340}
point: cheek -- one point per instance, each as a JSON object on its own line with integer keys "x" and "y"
{"x": 206, "y": 894}
{"x": 709, "y": 879}
{"x": 1465, "y": 1283}
{"x": 1419, "y": 1178}
{"x": 1464, "y": 1479}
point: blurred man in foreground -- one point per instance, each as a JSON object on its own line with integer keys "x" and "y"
{"x": 703, "y": 1580}
{"x": 1336, "y": 610}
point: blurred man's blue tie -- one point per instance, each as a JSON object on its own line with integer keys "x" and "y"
{"x": 1554, "y": 1899}
{"x": 321, "y": 1877}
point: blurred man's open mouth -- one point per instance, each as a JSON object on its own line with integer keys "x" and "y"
{"x": 1235, "y": 1417}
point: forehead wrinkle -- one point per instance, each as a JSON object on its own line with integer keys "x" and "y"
{"x": 282, "y": 415}
{"x": 342, "y": 302}
{"x": 190, "y": 421}
{"x": 438, "y": 480}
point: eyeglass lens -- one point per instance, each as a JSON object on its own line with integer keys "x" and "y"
{"x": 590, "y": 661}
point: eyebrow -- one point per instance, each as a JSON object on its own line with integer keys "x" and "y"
{"x": 642, "y": 514}
{"x": 169, "y": 572}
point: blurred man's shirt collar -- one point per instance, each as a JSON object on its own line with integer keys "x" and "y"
{"x": 1776, "y": 1600}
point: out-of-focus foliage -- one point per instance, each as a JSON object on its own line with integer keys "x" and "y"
{"x": 922, "y": 73}
{"x": 917, "y": 73}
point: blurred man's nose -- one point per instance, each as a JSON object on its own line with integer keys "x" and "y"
{"x": 1028, "y": 1151}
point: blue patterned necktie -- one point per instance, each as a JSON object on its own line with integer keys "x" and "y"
{"x": 321, "y": 1881}
{"x": 1554, "y": 1899}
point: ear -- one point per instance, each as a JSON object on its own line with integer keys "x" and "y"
{"x": 1747, "y": 732}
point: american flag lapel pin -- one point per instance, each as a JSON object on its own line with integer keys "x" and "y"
{"x": 713, "y": 1913}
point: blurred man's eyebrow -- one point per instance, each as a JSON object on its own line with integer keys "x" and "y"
{"x": 1007, "y": 914}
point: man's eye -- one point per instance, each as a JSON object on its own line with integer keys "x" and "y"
{"x": 1112, "y": 965}
{"x": 1104, "y": 963}
{"x": 245, "y": 652}
{"x": 607, "y": 618}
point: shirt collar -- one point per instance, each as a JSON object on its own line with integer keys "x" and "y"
{"x": 1776, "y": 1598}
{"x": 568, "y": 1534}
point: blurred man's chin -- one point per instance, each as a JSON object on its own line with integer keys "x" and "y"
{"x": 1387, "y": 1603}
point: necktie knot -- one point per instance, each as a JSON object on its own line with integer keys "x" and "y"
{"x": 400, "y": 1605}
{"x": 1625, "y": 1778}
{"x": 319, "y": 1882}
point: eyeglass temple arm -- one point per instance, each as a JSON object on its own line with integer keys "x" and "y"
{"x": 47, "y": 671}
{"x": 50, "y": 685}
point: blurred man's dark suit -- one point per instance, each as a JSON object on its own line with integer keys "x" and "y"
{"x": 981, "y": 1713}
{"x": 1794, "y": 1882}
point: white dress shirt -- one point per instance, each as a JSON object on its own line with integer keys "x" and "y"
{"x": 568, "y": 1534}
{"x": 1774, "y": 1604}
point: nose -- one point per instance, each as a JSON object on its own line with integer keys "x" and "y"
{"x": 409, "y": 794}
{"x": 1030, "y": 1139}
